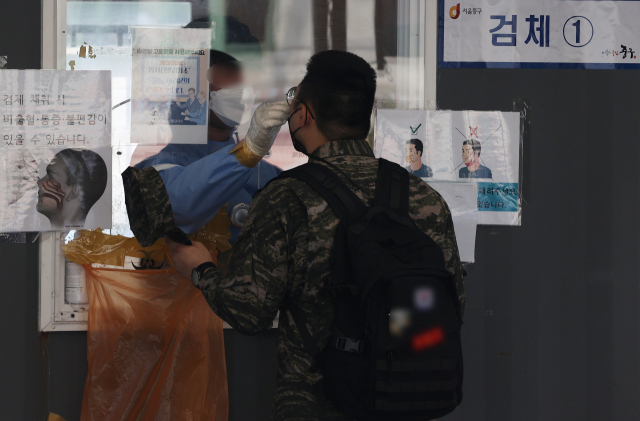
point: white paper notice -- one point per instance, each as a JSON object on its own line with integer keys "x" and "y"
{"x": 55, "y": 108}
{"x": 169, "y": 87}
{"x": 55, "y": 159}
{"x": 478, "y": 147}
{"x": 461, "y": 198}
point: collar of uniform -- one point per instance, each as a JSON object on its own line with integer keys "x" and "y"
{"x": 343, "y": 147}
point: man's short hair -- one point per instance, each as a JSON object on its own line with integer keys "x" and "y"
{"x": 220, "y": 58}
{"x": 475, "y": 145}
{"x": 87, "y": 171}
{"x": 418, "y": 145}
{"x": 341, "y": 87}
{"x": 192, "y": 89}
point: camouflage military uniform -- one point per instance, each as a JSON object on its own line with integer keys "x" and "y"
{"x": 285, "y": 247}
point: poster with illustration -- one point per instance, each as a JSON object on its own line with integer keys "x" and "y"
{"x": 486, "y": 151}
{"x": 408, "y": 137}
{"x": 169, "y": 87}
{"x": 49, "y": 189}
{"x": 481, "y": 147}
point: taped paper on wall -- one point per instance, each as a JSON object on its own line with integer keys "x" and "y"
{"x": 169, "y": 87}
{"x": 55, "y": 108}
{"x": 55, "y": 189}
{"x": 480, "y": 147}
{"x": 461, "y": 198}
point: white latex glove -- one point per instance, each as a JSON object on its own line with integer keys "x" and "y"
{"x": 265, "y": 125}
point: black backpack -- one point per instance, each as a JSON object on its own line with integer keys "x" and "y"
{"x": 395, "y": 351}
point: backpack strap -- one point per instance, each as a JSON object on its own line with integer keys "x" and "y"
{"x": 392, "y": 187}
{"x": 327, "y": 184}
{"x": 344, "y": 203}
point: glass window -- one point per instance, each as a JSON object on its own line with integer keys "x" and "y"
{"x": 272, "y": 38}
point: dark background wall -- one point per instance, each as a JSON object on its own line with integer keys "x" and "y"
{"x": 552, "y": 324}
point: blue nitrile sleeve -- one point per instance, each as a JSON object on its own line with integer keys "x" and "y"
{"x": 199, "y": 190}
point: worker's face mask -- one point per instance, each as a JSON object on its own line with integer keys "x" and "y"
{"x": 232, "y": 106}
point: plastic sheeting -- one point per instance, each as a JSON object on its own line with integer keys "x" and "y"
{"x": 155, "y": 348}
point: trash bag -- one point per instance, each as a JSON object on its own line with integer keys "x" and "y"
{"x": 155, "y": 349}
{"x": 112, "y": 250}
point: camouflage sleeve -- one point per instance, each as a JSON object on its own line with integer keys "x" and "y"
{"x": 431, "y": 213}
{"x": 253, "y": 289}
{"x": 149, "y": 208}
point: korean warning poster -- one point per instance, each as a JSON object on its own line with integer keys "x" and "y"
{"x": 56, "y": 150}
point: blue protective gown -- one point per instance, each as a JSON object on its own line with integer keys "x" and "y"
{"x": 205, "y": 178}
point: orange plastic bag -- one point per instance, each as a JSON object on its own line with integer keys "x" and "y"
{"x": 155, "y": 349}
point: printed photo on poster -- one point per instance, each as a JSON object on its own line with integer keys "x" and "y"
{"x": 55, "y": 189}
{"x": 169, "y": 87}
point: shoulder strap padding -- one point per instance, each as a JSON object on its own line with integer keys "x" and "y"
{"x": 392, "y": 186}
{"x": 327, "y": 184}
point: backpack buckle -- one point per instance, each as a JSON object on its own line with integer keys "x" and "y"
{"x": 349, "y": 345}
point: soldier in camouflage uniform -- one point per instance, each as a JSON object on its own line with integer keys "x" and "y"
{"x": 285, "y": 247}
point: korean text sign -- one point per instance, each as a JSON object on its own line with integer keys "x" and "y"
{"x": 169, "y": 87}
{"x": 539, "y": 34}
{"x": 56, "y": 150}
{"x": 55, "y": 108}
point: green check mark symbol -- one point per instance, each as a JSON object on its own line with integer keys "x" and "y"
{"x": 416, "y": 129}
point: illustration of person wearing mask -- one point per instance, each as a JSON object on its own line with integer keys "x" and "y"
{"x": 413, "y": 151}
{"x": 75, "y": 181}
{"x": 189, "y": 183}
{"x": 199, "y": 117}
{"x": 471, "y": 150}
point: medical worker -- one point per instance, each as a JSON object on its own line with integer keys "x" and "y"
{"x": 185, "y": 185}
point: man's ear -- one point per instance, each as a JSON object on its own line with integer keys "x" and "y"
{"x": 308, "y": 113}
{"x": 72, "y": 193}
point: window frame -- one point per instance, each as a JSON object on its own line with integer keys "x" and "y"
{"x": 414, "y": 16}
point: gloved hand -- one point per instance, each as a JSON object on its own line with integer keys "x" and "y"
{"x": 265, "y": 125}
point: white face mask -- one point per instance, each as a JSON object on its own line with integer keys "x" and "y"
{"x": 232, "y": 106}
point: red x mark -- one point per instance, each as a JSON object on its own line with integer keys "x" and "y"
{"x": 473, "y": 131}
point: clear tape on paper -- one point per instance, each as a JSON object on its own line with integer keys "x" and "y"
{"x": 461, "y": 198}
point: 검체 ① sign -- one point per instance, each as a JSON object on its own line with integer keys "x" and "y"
{"x": 539, "y": 34}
